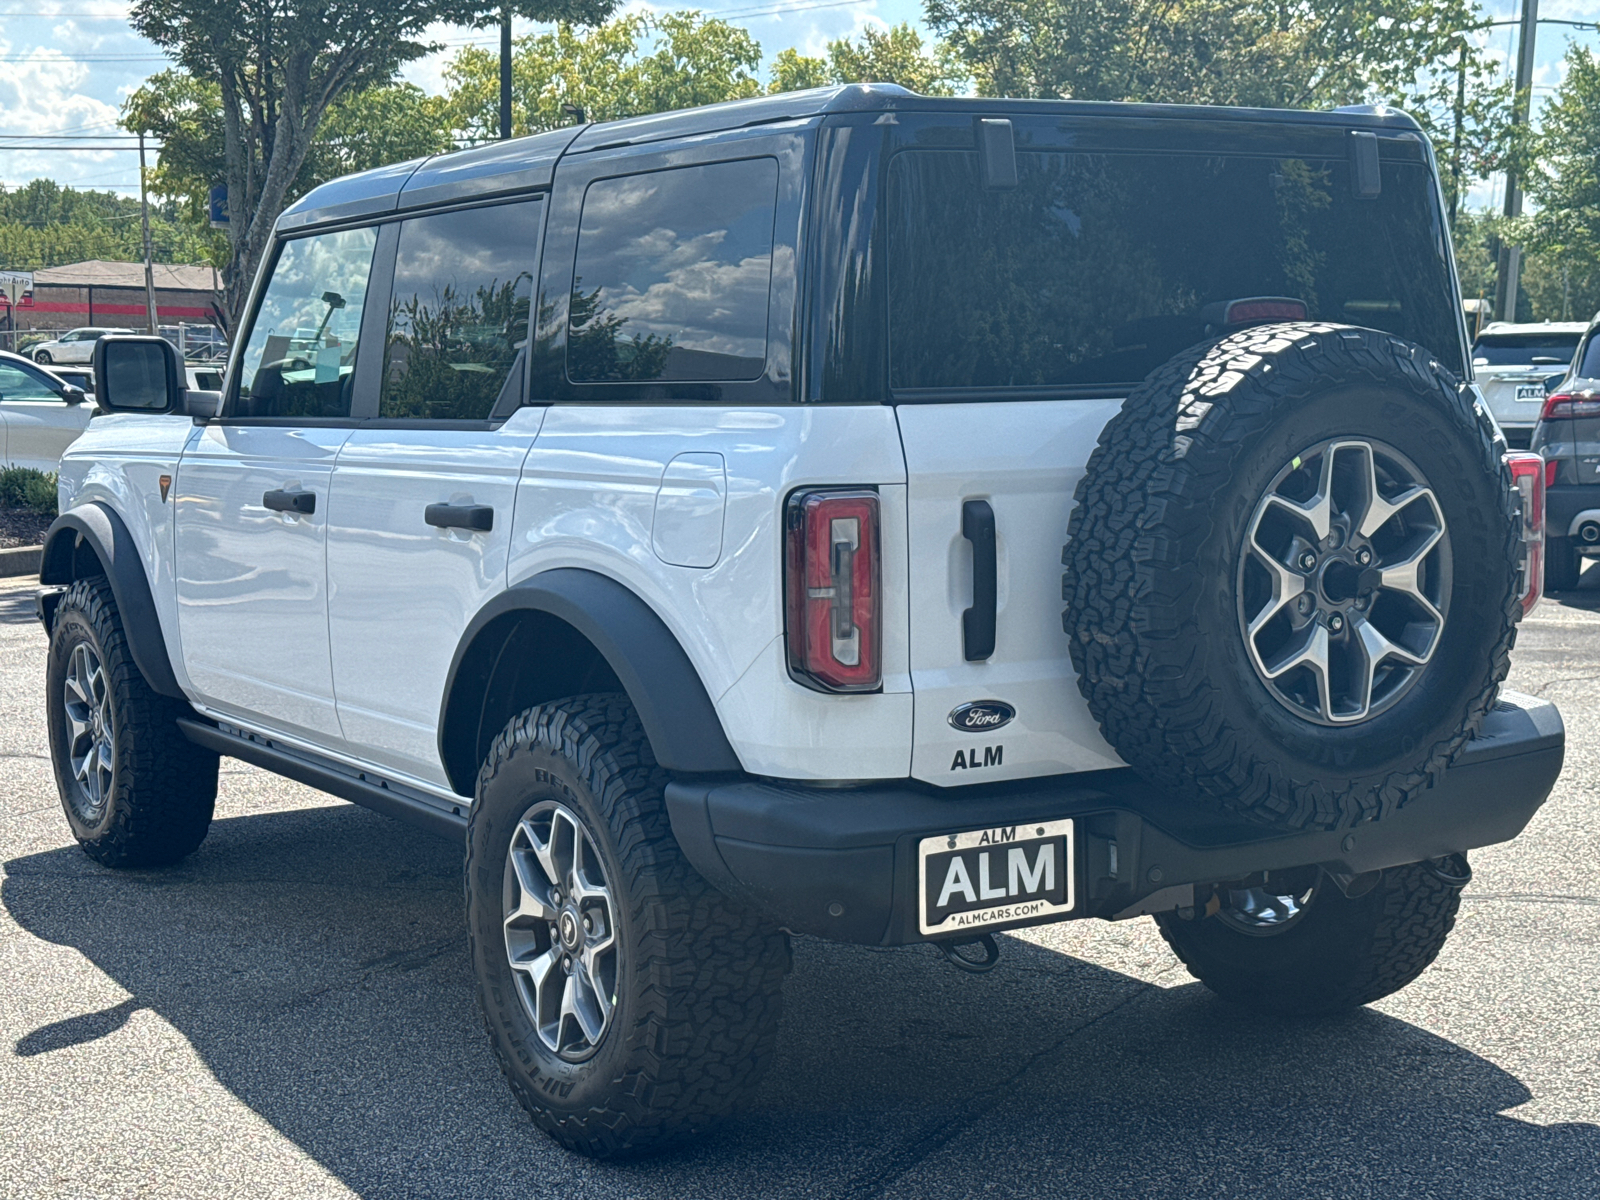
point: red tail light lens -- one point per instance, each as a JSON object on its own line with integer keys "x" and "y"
{"x": 834, "y": 590}
{"x": 1570, "y": 404}
{"x": 1264, "y": 308}
{"x": 1527, "y": 476}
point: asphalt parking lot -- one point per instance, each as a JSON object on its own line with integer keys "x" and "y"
{"x": 291, "y": 1013}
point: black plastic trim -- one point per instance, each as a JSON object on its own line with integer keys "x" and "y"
{"x": 97, "y": 526}
{"x": 978, "y": 622}
{"x": 685, "y": 732}
{"x": 370, "y": 791}
{"x": 842, "y": 862}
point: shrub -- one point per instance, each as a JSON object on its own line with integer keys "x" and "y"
{"x": 26, "y": 490}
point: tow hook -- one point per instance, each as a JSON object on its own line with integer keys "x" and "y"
{"x": 1452, "y": 870}
{"x": 975, "y": 966}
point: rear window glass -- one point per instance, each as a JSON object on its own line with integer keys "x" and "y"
{"x": 673, "y": 273}
{"x": 1097, "y": 268}
{"x": 1523, "y": 349}
{"x": 1589, "y": 368}
{"x": 458, "y": 322}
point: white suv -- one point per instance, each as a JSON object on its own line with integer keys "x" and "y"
{"x": 673, "y": 511}
{"x": 1513, "y": 365}
{"x": 74, "y": 346}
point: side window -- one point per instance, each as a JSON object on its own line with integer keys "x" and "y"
{"x": 458, "y": 322}
{"x": 17, "y": 383}
{"x": 673, "y": 273}
{"x": 300, "y": 357}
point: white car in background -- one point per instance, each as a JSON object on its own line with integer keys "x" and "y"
{"x": 1512, "y": 362}
{"x": 74, "y": 346}
{"x": 41, "y": 414}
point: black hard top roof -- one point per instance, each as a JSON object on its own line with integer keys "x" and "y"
{"x": 521, "y": 164}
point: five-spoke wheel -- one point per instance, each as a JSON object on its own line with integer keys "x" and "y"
{"x": 90, "y": 733}
{"x": 1344, "y": 580}
{"x": 561, "y": 930}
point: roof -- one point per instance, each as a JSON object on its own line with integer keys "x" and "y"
{"x": 1534, "y": 327}
{"x": 99, "y": 273}
{"x": 521, "y": 164}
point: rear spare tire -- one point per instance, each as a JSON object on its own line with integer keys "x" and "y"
{"x": 1292, "y": 574}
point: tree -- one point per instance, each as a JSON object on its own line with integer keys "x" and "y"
{"x": 633, "y": 65}
{"x": 1565, "y": 180}
{"x": 46, "y": 225}
{"x": 893, "y": 55}
{"x": 279, "y": 66}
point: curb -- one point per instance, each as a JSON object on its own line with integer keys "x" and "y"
{"x": 21, "y": 560}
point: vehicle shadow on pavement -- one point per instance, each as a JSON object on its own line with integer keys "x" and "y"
{"x": 316, "y": 961}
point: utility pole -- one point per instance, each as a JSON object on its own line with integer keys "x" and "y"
{"x": 1507, "y": 277}
{"x": 1461, "y": 117}
{"x": 505, "y": 72}
{"x": 149, "y": 269}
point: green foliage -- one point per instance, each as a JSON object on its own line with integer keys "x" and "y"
{"x": 1555, "y": 284}
{"x": 449, "y": 359}
{"x": 600, "y": 350}
{"x": 894, "y": 55}
{"x": 43, "y": 224}
{"x": 633, "y": 65}
{"x": 22, "y": 489}
{"x": 1566, "y": 181}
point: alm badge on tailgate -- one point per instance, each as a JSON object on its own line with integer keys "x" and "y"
{"x": 985, "y": 877}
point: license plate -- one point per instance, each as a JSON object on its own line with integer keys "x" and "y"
{"x": 991, "y": 876}
{"x": 1532, "y": 392}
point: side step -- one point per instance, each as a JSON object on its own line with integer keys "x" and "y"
{"x": 438, "y": 817}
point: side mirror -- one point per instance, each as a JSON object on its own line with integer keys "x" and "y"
{"x": 138, "y": 374}
{"x": 74, "y": 395}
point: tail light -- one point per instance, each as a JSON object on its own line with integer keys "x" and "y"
{"x": 1570, "y": 404}
{"x": 1264, "y": 308}
{"x": 1527, "y": 476}
{"x": 833, "y": 583}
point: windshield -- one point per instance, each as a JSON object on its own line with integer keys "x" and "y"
{"x": 1524, "y": 349}
{"x": 1099, "y": 267}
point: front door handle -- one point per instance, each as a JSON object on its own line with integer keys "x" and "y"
{"x": 295, "y": 500}
{"x": 478, "y": 518}
{"x": 977, "y": 623}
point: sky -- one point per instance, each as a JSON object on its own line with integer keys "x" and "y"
{"x": 66, "y": 66}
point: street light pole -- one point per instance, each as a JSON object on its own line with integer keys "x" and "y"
{"x": 149, "y": 268}
{"x": 1507, "y": 277}
{"x": 505, "y": 72}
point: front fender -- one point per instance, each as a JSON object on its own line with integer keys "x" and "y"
{"x": 94, "y": 529}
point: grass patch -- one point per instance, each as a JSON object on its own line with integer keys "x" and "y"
{"x": 23, "y": 489}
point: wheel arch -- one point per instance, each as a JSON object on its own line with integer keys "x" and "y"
{"x": 92, "y": 539}
{"x": 567, "y": 631}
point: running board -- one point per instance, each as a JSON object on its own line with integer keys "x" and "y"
{"x": 438, "y": 817}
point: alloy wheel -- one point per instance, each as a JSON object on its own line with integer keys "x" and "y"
{"x": 561, "y": 930}
{"x": 1344, "y": 581}
{"x": 91, "y": 736}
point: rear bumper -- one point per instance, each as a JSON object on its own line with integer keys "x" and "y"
{"x": 841, "y": 863}
{"x": 1564, "y": 502}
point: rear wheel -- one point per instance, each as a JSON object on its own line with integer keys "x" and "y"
{"x": 137, "y": 793}
{"x": 1562, "y": 564}
{"x": 628, "y": 1002}
{"x": 43, "y": 356}
{"x": 1294, "y": 944}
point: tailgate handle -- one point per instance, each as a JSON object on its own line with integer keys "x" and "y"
{"x": 977, "y": 623}
{"x": 476, "y": 517}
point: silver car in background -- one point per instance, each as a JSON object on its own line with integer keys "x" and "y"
{"x": 1568, "y": 435}
{"x": 1513, "y": 363}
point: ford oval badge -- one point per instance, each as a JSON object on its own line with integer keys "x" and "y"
{"x": 982, "y": 716}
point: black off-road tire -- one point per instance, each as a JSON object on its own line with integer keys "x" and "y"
{"x": 699, "y": 982}
{"x": 1340, "y": 954}
{"x": 1155, "y": 537}
{"x": 1562, "y": 564}
{"x": 163, "y": 786}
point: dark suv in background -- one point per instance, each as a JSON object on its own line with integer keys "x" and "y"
{"x": 1568, "y": 435}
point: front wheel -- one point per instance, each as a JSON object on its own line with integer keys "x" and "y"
{"x": 628, "y": 1002}
{"x": 43, "y": 356}
{"x": 1294, "y": 944}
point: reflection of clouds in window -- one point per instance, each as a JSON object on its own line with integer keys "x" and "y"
{"x": 293, "y": 306}
{"x": 673, "y": 274}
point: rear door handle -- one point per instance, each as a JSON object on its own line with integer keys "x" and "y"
{"x": 477, "y": 517}
{"x": 296, "y": 500}
{"x": 977, "y": 623}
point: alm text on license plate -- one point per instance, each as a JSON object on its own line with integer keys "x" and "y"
{"x": 1534, "y": 392}
{"x": 990, "y": 876}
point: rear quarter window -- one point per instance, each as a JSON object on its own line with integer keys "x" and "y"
{"x": 1098, "y": 267}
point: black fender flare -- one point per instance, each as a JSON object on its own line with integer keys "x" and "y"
{"x": 677, "y": 713}
{"x": 97, "y": 526}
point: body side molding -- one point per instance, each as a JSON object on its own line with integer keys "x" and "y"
{"x": 96, "y": 526}
{"x": 677, "y": 713}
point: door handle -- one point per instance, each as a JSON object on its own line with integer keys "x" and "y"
{"x": 977, "y": 623}
{"x": 479, "y": 518}
{"x": 297, "y": 500}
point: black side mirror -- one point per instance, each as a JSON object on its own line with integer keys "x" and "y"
{"x": 138, "y": 374}
{"x": 74, "y": 395}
